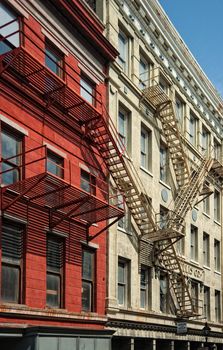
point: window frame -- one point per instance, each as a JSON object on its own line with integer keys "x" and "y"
{"x": 164, "y": 163}
{"x": 11, "y": 28}
{"x": 85, "y": 83}
{"x": 206, "y": 249}
{"x": 217, "y": 206}
{"x": 193, "y": 129}
{"x": 89, "y": 281}
{"x": 217, "y": 302}
{"x": 217, "y": 255}
{"x": 92, "y": 183}
{"x": 18, "y": 169}
{"x": 144, "y": 287}
{"x": 58, "y": 272}
{"x": 207, "y": 309}
{"x": 148, "y": 145}
{"x": 194, "y": 243}
{"x": 143, "y": 84}
{"x": 123, "y": 60}
{"x": 59, "y": 166}
{"x": 59, "y": 61}
{"x": 125, "y": 284}
{"x": 12, "y": 261}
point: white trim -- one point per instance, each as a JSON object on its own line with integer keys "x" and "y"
{"x": 54, "y": 41}
{"x": 13, "y": 125}
{"x": 18, "y": 8}
{"x": 55, "y": 150}
{"x": 90, "y": 244}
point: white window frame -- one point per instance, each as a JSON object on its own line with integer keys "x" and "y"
{"x": 144, "y": 73}
{"x": 124, "y": 284}
{"x": 145, "y": 143}
{"x": 217, "y": 255}
{"x": 123, "y": 58}
{"x": 194, "y": 243}
{"x": 206, "y": 249}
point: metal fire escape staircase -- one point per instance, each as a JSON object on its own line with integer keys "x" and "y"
{"x": 189, "y": 187}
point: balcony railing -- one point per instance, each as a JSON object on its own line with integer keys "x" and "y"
{"x": 63, "y": 196}
{"x": 23, "y": 56}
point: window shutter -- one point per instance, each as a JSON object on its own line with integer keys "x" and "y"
{"x": 54, "y": 253}
{"x": 12, "y": 242}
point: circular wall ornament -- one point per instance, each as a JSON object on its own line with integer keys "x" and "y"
{"x": 164, "y": 195}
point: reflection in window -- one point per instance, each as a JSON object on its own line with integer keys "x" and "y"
{"x": 11, "y": 148}
{"x": 55, "y": 164}
{"x": 88, "y": 280}
{"x": 123, "y": 48}
{"x": 87, "y": 90}
{"x": 163, "y": 163}
{"x": 54, "y": 59}
{"x": 88, "y": 182}
{"x": 12, "y": 41}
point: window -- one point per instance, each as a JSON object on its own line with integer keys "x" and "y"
{"x": 217, "y": 206}
{"x": 12, "y": 41}
{"x": 163, "y": 217}
{"x": 11, "y": 148}
{"x": 180, "y": 246}
{"x": 146, "y": 148}
{"x": 207, "y": 302}
{"x": 55, "y": 164}
{"x": 195, "y": 294}
{"x": 163, "y": 163}
{"x": 206, "y": 249}
{"x": 216, "y": 255}
{"x": 206, "y": 201}
{"x": 125, "y": 222}
{"x": 12, "y": 254}
{"x": 144, "y": 287}
{"x": 194, "y": 243}
{"x": 217, "y": 305}
{"x": 205, "y": 141}
{"x": 124, "y": 128}
{"x": 88, "y": 89}
{"x": 144, "y": 74}
{"x": 164, "y": 292}
{"x": 193, "y": 130}
{"x": 123, "y": 283}
{"x": 123, "y": 47}
{"x": 54, "y": 59}
{"x": 55, "y": 266}
{"x": 88, "y": 182}
{"x": 163, "y": 84}
{"x": 217, "y": 150}
{"x": 88, "y": 280}
{"x": 180, "y": 110}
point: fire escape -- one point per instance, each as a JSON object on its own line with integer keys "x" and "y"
{"x": 33, "y": 184}
{"x": 63, "y": 98}
{"x": 191, "y": 184}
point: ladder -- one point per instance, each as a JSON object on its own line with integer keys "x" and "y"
{"x": 164, "y": 107}
{"x": 105, "y": 138}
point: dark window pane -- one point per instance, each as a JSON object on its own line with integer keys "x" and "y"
{"x": 53, "y": 290}
{"x": 86, "y": 296}
{"x": 12, "y": 242}
{"x": 88, "y": 265}
{"x": 53, "y": 60}
{"x": 10, "y": 283}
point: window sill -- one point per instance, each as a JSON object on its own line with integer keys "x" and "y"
{"x": 194, "y": 262}
{"x": 146, "y": 171}
{"x": 217, "y": 222}
{"x": 207, "y": 267}
{"x": 124, "y": 231}
{"x": 164, "y": 184}
{"x": 207, "y": 215}
{"x": 217, "y": 272}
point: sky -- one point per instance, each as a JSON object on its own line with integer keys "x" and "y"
{"x": 200, "y": 24}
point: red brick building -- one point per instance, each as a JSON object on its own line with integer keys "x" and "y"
{"x": 55, "y": 204}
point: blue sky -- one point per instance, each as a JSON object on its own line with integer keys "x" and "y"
{"x": 200, "y": 24}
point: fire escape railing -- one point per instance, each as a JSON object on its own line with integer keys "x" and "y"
{"x": 62, "y": 196}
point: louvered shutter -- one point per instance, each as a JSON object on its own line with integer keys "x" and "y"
{"x": 12, "y": 242}
{"x": 54, "y": 253}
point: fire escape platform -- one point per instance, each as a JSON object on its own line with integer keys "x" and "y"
{"x": 217, "y": 169}
{"x": 34, "y": 75}
{"x": 61, "y": 198}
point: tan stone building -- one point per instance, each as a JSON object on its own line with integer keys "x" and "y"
{"x": 169, "y": 116}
